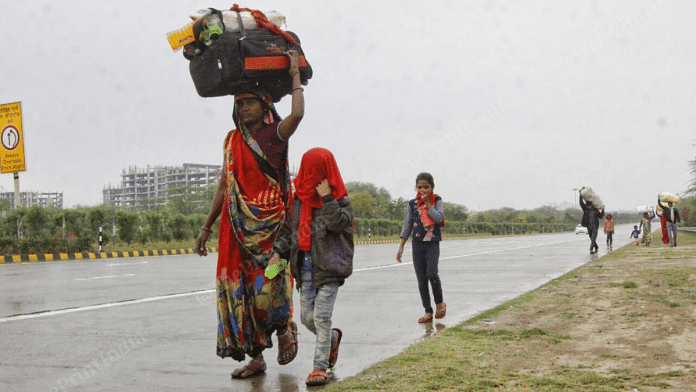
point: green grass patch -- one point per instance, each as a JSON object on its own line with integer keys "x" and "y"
{"x": 557, "y": 338}
{"x": 625, "y": 285}
{"x": 528, "y": 333}
{"x": 629, "y": 285}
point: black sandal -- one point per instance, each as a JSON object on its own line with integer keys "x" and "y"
{"x": 334, "y": 349}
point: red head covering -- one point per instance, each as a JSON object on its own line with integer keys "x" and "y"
{"x": 317, "y": 165}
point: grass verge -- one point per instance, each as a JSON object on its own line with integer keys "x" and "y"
{"x": 622, "y": 322}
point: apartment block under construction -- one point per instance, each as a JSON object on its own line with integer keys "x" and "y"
{"x": 34, "y": 198}
{"x": 152, "y": 185}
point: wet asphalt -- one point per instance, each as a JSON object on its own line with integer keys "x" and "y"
{"x": 149, "y": 323}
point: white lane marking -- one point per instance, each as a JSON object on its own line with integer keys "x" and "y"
{"x": 504, "y": 250}
{"x": 464, "y": 255}
{"x": 102, "y": 306}
{"x": 382, "y": 266}
{"x": 119, "y": 264}
{"x": 105, "y": 277}
{"x": 98, "y": 277}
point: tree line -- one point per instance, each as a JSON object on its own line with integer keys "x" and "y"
{"x": 179, "y": 216}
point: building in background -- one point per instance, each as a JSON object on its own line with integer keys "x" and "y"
{"x": 152, "y": 185}
{"x": 33, "y": 198}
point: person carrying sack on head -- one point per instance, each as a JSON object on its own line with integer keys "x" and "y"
{"x": 671, "y": 214}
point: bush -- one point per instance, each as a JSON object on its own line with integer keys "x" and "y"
{"x": 36, "y": 222}
{"x": 154, "y": 229}
{"x": 127, "y": 225}
{"x": 687, "y": 211}
{"x": 8, "y": 245}
{"x": 177, "y": 227}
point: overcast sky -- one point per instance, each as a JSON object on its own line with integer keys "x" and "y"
{"x": 507, "y": 104}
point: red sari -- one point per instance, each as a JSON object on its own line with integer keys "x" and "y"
{"x": 663, "y": 224}
{"x": 250, "y": 306}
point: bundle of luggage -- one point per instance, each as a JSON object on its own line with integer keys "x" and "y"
{"x": 589, "y": 195}
{"x": 668, "y": 197}
{"x": 644, "y": 209}
{"x": 239, "y": 50}
{"x": 665, "y": 197}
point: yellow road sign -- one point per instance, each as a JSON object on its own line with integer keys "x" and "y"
{"x": 11, "y": 138}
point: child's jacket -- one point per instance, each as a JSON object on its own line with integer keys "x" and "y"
{"x": 332, "y": 242}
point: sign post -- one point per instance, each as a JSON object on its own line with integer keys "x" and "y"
{"x": 12, "y": 143}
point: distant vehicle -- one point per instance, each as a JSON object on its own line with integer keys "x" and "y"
{"x": 580, "y": 229}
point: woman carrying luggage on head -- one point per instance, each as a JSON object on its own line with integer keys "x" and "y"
{"x": 252, "y": 199}
{"x": 645, "y": 227}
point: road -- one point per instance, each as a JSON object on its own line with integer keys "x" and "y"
{"x": 149, "y": 324}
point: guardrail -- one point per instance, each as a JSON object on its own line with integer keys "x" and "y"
{"x": 691, "y": 229}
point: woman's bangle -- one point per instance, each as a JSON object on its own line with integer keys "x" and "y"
{"x": 206, "y": 229}
{"x": 297, "y": 88}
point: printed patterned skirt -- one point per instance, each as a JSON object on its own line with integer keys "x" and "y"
{"x": 250, "y": 307}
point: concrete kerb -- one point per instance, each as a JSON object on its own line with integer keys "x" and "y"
{"x": 36, "y": 257}
{"x": 43, "y": 257}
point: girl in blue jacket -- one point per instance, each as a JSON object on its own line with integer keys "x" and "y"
{"x": 424, "y": 216}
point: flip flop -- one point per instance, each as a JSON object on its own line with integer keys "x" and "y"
{"x": 441, "y": 312}
{"x": 334, "y": 350}
{"x": 286, "y": 343}
{"x": 249, "y": 370}
{"x": 323, "y": 380}
{"x": 426, "y": 319}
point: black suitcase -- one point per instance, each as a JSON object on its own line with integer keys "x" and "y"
{"x": 247, "y": 60}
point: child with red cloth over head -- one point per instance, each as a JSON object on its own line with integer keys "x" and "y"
{"x": 318, "y": 243}
{"x": 424, "y": 216}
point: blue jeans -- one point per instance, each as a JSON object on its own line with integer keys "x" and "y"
{"x": 672, "y": 232}
{"x": 426, "y": 256}
{"x": 592, "y": 232}
{"x": 317, "y": 308}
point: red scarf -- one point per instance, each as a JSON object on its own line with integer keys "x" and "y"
{"x": 427, "y": 222}
{"x": 317, "y": 165}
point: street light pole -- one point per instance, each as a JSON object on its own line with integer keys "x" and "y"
{"x": 574, "y": 197}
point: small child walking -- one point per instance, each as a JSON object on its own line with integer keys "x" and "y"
{"x": 424, "y": 216}
{"x": 317, "y": 241}
{"x": 635, "y": 234}
{"x": 609, "y": 230}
